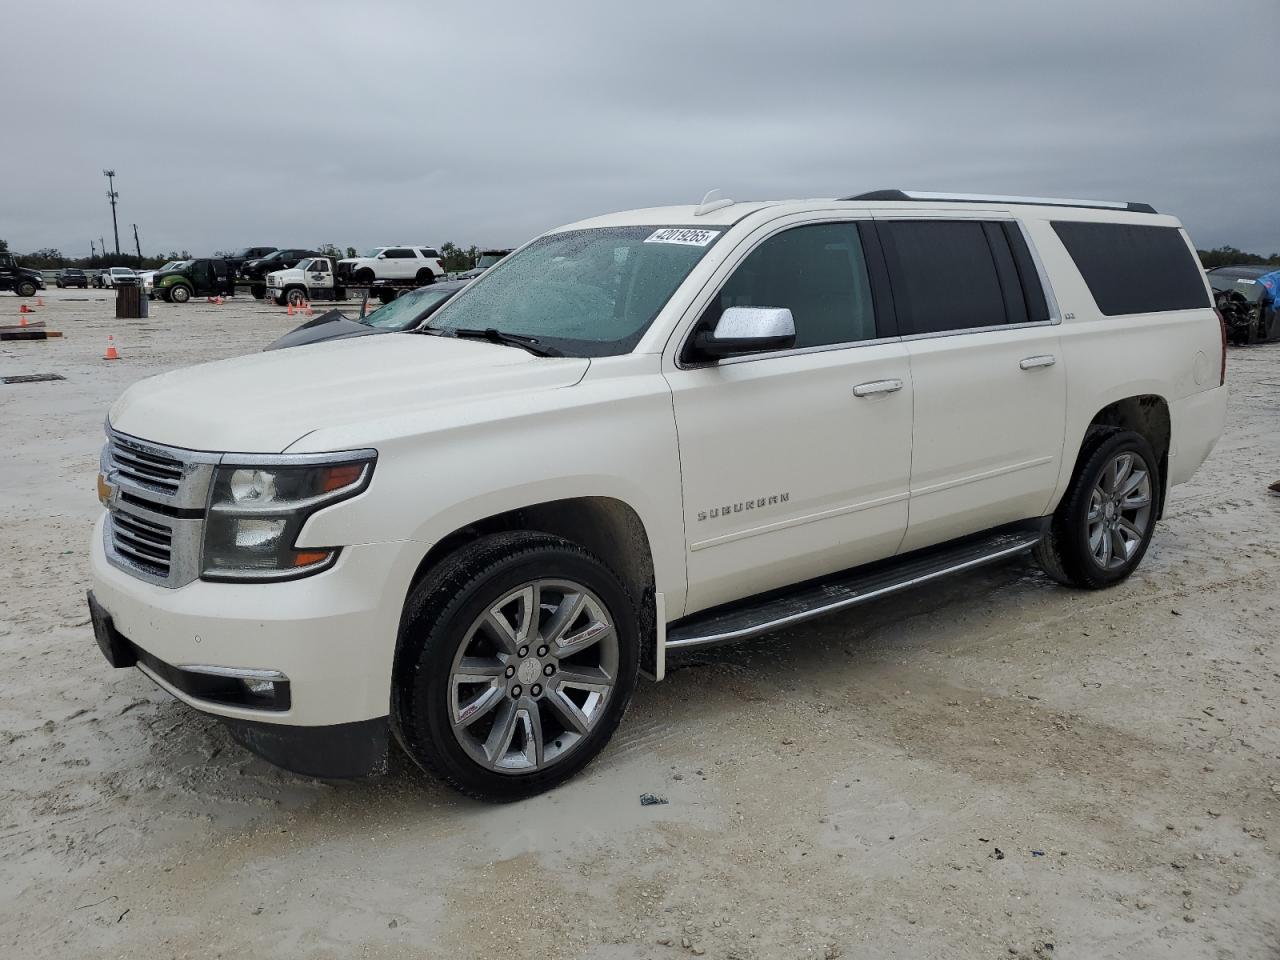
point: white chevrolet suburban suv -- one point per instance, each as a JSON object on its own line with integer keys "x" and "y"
{"x": 639, "y": 434}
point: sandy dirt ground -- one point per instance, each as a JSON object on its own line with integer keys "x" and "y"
{"x": 991, "y": 767}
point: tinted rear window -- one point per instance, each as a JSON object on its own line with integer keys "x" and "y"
{"x": 943, "y": 275}
{"x": 1132, "y": 268}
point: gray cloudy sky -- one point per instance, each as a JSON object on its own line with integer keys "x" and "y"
{"x": 236, "y": 123}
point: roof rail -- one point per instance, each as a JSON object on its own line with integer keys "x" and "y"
{"x": 1132, "y": 207}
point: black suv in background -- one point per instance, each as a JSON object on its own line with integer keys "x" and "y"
{"x": 255, "y": 271}
{"x": 21, "y": 280}
{"x": 72, "y": 277}
{"x": 245, "y": 254}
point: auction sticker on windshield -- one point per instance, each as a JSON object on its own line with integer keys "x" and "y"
{"x": 691, "y": 238}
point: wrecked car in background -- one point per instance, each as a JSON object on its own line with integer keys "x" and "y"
{"x": 1248, "y": 297}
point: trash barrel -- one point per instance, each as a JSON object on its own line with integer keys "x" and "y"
{"x": 131, "y": 302}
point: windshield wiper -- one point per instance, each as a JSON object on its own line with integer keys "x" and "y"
{"x": 508, "y": 339}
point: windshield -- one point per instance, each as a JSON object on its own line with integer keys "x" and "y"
{"x": 302, "y": 265}
{"x": 588, "y": 293}
{"x": 372, "y": 252}
{"x": 121, "y": 271}
{"x": 487, "y": 260}
{"x": 409, "y": 310}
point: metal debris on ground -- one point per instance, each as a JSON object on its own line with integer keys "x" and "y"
{"x": 32, "y": 378}
{"x": 651, "y": 800}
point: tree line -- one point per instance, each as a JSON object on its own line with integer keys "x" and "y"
{"x": 455, "y": 257}
{"x": 458, "y": 258}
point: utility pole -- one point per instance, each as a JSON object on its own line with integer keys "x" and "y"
{"x": 93, "y": 251}
{"x": 113, "y": 196}
{"x": 136, "y": 245}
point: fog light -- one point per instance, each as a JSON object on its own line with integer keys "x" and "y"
{"x": 264, "y": 689}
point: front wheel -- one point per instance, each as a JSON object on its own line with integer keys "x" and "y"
{"x": 180, "y": 293}
{"x": 26, "y": 288}
{"x": 1103, "y": 526}
{"x": 517, "y": 658}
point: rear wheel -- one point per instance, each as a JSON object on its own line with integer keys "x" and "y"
{"x": 517, "y": 658}
{"x": 259, "y": 291}
{"x": 425, "y": 276}
{"x": 1103, "y": 526}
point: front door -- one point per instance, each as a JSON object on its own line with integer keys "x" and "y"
{"x": 986, "y": 364}
{"x": 788, "y": 471}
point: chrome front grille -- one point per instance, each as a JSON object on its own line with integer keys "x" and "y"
{"x": 156, "y": 508}
{"x": 148, "y": 545}
{"x": 146, "y": 467}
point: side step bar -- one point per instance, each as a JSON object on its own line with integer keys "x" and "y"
{"x": 814, "y": 598}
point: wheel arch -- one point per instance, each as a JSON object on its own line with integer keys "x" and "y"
{"x": 1146, "y": 414}
{"x": 606, "y": 526}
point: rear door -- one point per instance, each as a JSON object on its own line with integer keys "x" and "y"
{"x": 986, "y": 366}
{"x": 400, "y": 263}
{"x": 795, "y": 463}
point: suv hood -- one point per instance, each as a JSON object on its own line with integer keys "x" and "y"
{"x": 265, "y": 402}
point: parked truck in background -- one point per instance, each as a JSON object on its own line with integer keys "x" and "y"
{"x": 21, "y": 280}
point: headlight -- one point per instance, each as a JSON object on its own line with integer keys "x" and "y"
{"x": 257, "y": 510}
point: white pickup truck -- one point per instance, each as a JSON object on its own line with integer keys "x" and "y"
{"x": 638, "y": 435}
{"x": 312, "y": 279}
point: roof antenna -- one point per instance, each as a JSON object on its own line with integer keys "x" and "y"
{"x": 711, "y": 202}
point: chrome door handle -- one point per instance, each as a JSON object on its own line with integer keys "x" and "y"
{"x": 1048, "y": 360}
{"x": 877, "y": 386}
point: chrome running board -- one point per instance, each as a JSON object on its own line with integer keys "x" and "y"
{"x": 815, "y": 598}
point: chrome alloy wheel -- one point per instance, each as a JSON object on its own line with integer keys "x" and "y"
{"x": 532, "y": 676}
{"x": 1119, "y": 510}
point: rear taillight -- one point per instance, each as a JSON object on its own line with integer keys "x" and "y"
{"x": 1222, "y": 370}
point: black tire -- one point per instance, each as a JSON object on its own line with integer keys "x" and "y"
{"x": 425, "y": 276}
{"x": 295, "y": 295}
{"x": 1064, "y": 553}
{"x": 387, "y": 294}
{"x": 26, "y": 288}
{"x": 259, "y": 291}
{"x": 438, "y": 614}
{"x": 364, "y": 275}
{"x": 179, "y": 293}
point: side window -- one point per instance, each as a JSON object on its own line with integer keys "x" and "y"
{"x": 399, "y": 253}
{"x": 431, "y": 253}
{"x": 1133, "y": 267}
{"x": 818, "y": 273}
{"x": 320, "y": 266}
{"x": 944, "y": 275}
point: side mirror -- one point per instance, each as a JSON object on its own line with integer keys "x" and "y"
{"x": 747, "y": 330}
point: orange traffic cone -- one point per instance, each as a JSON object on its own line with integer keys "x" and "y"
{"x": 25, "y": 309}
{"x": 39, "y": 301}
{"x": 112, "y": 353}
{"x": 23, "y": 321}
{"x": 291, "y": 308}
{"x": 306, "y": 307}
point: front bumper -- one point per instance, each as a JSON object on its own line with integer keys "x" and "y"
{"x": 331, "y": 636}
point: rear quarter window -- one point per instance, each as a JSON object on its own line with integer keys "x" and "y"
{"x": 1134, "y": 268}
